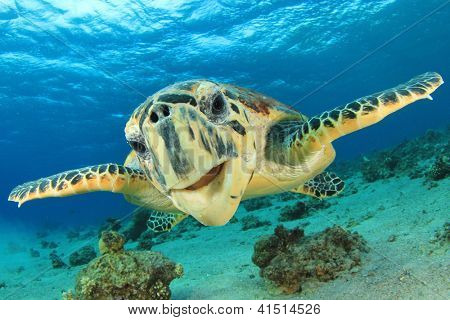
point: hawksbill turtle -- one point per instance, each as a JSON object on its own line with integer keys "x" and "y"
{"x": 199, "y": 148}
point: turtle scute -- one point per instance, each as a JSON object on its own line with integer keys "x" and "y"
{"x": 288, "y": 258}
{"x": 125, "y": 274}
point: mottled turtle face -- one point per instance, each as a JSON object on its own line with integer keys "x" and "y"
{"x": 193, "y": 142}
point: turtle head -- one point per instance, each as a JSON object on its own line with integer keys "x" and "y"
{"x": 195, "y": 146}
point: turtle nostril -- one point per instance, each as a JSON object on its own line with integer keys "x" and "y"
{"x": 154, "y": 117}
{"x": 165, "y": 111}
{"x": 159, "y": 112}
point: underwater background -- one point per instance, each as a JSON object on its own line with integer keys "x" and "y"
{"x": 73, "y": 71}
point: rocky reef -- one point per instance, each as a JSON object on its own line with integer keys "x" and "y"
{"x": 426, "y": 156}
{"x": 440, "y": 168}
{"x": 253, "y": 222}
{"x": 288, "y": 258}
{"x": 257, "y": 203}
{"x": 122, "y": 274}
{"x": 34, "y": 253}
{"x": 442, "y": 236}
{"x": 48, "y": 244}
{"x": 302, "y": 209}
{"x": 82, "y": 256}
{"x": 145, "y": 241}
{"x": 296, "y": 211}
{"x": 56, "y": 260}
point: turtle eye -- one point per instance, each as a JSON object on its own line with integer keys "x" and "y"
{"x": 138, "y": 146}
{"x": 217, "y": 105}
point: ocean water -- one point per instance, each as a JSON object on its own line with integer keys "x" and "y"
{"x": 73, "y": 71}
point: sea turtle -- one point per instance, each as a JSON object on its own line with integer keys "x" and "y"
{"x": 200, "y": 147}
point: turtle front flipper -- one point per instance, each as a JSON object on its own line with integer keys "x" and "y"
{"x": 365, "y": 111}
{"x": 106, "y": 177}
{"x": 326, "y": 184}
{"x": 163, "y": 221}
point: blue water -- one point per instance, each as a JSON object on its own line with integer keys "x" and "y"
{"x": 73, "y": 71}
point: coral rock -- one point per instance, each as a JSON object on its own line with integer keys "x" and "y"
{"x": 408, "y": 157}
{"x": 256, "y": 204}
{"x": 302, "y": 209}
{"x": 442, "y": 236}
{"x": 252, "y": 222}
{"x": 56, "y": 260}
{"x": 289, "y": 258}
{"x": 111, "y": 241}
{"x": 120, "y": 274}
{"x": 440, "y": 169}
{"x": 297, "y": 211}
{"x": 48, "y": 244}
{"x": 34, "y": 253}
{"x": 145, "y": 240}
{"x": 82, "y": 256}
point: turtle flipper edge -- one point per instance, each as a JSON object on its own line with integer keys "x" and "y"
{"x": 326, "y": 184}
{"x": 162, "y": 221}
{"x": 106, "y": 177}
{"x": 366, "y": 111}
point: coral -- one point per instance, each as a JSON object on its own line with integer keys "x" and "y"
{"x": 111, "y": 242}
{"x": 289, "y": 258}
{"x": 302, "y": 209}
{"x": 376, "y": 169}
{"x": 2, "y": 284}
{"x": 297, "y": 211}
{"x": 256, "y": 204}
{"x": 56, "y": 260}
{"x": 233, "y": 220}
{"x": 137, "y": 225}
{"x": 442, "y": 236}
{"x": 82, "y": 256}
{"x": 145, "y": 240}
{"x": 48, "y": 244}
{"x": 120, "y": 274}
{"x": 317, "y": 205}
{"x": 267, "y": 247}
{"x": 252, "y": 222}
{"x": 67, "y": 295}
{"x": 287, "y": 196}
{"x": 440, "y": 168}
{"x": 34, "y": 253}
{"x": 407, "y": 158}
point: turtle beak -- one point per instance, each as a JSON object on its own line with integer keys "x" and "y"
{"x": 202, "y": 167}
{"x": 215, "y": 201}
